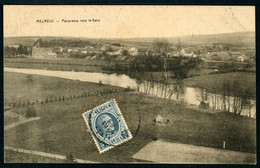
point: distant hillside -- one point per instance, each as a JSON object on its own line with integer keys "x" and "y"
{"x": 242, "y": 38}
{"x": 27, "y": 41}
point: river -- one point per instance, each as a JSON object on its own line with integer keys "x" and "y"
{"x": 188, "y": 95}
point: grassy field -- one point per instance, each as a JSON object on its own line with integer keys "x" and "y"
{"x": 16, "y": 157}
{"x": 67, "y": 64}
{"x": 243, "y": 79}
{"x": 20, "y": 87}
{"x": 62, "y": 129}
{"x": 9, "y": 120}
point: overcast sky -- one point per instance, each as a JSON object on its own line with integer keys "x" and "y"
{"x": 127, "y": 21}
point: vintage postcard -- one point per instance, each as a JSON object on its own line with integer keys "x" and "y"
{"x": 129, "y": 84}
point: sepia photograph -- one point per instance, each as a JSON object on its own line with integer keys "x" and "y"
{"x": 135, "y": 84}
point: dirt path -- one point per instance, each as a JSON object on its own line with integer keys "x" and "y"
{"x": 44, "y": 154}
{"x": 20, "y": 122}
{"x": 22, "y": 119}
{"x": 166, "y": 152}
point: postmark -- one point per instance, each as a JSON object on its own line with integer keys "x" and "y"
{"x": 107, "y": 126}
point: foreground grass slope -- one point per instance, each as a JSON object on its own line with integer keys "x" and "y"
{"x": 20, "y": 87}
{"x": 62, "y": 129}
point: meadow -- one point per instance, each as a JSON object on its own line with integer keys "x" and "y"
{"x": 243, "y": 80}
{"x": 64, "y": 64}
{"x": 61, "y": 128}
{"x": 20, "y": 87}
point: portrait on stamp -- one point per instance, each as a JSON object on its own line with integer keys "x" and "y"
{"x": 107, "y": 126}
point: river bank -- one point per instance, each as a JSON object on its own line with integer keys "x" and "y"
{"x": 184, "y": 94}
{"x": 55, "y": 131}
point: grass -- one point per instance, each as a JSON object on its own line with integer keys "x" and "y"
{"x": 59, "y": 61}
{"x": 16, "y": 157}
{"x": 62, "y": 64}
{"x": 9, "y": 120}
{"x": 243, "y": 79}
{"x": 62, "y": 129}
{"x": 18, "y": 87}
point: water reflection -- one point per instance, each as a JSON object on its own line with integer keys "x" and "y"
{"x": 189, "y": 95}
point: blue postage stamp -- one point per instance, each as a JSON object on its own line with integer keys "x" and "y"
{"x": 107, "y": 126}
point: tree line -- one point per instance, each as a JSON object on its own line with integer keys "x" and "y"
{"x": 65, "y": 43}
{"x": 17, "y": 51}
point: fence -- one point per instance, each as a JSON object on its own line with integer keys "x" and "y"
{"x": 64, "y": 98}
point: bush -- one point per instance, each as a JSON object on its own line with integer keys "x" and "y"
{"x": 29, "y": 77}
{"x": 30, "y": 112}
{"x": 70, "y": 158}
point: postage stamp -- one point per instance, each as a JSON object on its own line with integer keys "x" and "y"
{"x": 107, "y": 126}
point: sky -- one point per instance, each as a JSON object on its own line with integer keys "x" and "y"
{"x": 126, "y": 21}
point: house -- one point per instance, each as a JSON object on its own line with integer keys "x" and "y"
{"x": 39, "y": 52}
{"x": 94, "y": 50}
{"x": 133, "y": 51}
{"x": 204, "y": 104}
{"x": 235, "y": 54}
{"x": 218, "y": 56}
{"x": 38, "y": 43}
{"x": 184, "y": 54}
{"x": 173, "y": 54}
{"x": 119, "y": 52}
{"x": 57, "y": 50}
{"x": 83, "y": 51}
{"x": 105, "y": 47}
{"x": 241, "y": 58}
{"x": 159, "y": 119}
{"x": 43, "y": 53}
{"x": 14, "y": 46}
{"x": 191, "y": 55}
{"x": 73, "y": 50}
{"x": 215, "y": 57}
{"x": 89, "y": 46}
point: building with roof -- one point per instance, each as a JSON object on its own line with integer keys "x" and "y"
{"x": 39, "y": 52}
{"x": 204, "y": 104}
{"x": 43, "y": 53}
{"x": 218, "y": 56}
{"x": 13, "y": 46}
{"x": 133, "y": 51}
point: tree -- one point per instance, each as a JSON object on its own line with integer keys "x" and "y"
{"x": 162, "y": 47}
{"x": 20, "y": 50}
